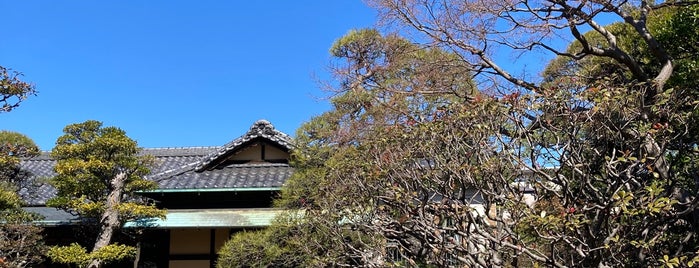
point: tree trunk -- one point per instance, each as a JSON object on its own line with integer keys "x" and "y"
{"x": 109, "y": 221}
{"x": 138, "y": 255}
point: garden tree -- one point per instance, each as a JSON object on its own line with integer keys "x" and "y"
{"x": 675, "y": 30}
{"x": 98, "y": 170}
{"x": 21, "y": 243}
{"x": 616, "y": 112}
{"x": 13, "y": 90}
{"x": 290, "y": 241}
{"x": 13, "y": 147}
{"x": 376, "y": 72}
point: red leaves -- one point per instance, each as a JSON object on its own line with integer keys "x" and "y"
{"x": 411, "y": 122}
{"x": 511, "y": 97}
{"x": 659, "y": 125}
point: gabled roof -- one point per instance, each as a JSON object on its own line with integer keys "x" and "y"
{"x": 186, "y": 168}
{"x": 201, "y": 174}
{"x": 262, "y": 129}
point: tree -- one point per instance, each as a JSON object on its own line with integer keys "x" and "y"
{"x": 21, "y": 243}
{"x": 440, "y": 175}
{"x": 98, "y": 170}
{"x": 291, "y": 241}
{"x": 13, "y": 90}
{"x": 375, "y": 72}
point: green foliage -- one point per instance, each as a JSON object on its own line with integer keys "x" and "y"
{"x": 114, "y": 252}
{"x": 8, "y": 197}
{"x": 678, "y": 30}
{"x": 13, "y": 146}
{"x": 293, "y": 240}
{"x": 75, "y": 254}
{"x": 99, "y": 169}
{"x": 89, "y": 157}
{"x": 674, "y": 28}
{"x": 132, "y": 210}
{"x": 246, "y": 248}
{"x": 72, "y": 254}
{"x": 17, "y": 145}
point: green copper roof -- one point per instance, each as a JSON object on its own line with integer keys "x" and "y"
{"x": 210, "y": 218}
{"x": 196, "y": 190}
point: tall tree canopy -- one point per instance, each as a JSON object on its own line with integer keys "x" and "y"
{"x": 98, "y": 170}
{"x": 412, "y": 167}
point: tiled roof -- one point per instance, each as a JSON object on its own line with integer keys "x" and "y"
{"x": 175, "y": 168}
{"x": 169, "y": 161}
{"x": 35, "y": 190}
{"x": 233, "y": 176}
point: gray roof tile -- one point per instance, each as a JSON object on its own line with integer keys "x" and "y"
{"x": 232, "y": 176}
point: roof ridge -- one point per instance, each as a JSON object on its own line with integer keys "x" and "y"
{"x": 179, "y": 147}
{"x": 171, "y": 172}
{"x": 259, "y": 165}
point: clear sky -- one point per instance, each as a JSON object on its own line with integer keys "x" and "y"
{"x": 172, "y": 73}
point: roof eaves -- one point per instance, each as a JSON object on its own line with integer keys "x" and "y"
{"x": 210, "y": 218}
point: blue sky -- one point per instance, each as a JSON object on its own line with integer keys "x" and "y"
{"x": 172, "y": 73}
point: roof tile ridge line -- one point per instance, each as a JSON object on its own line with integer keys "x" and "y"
{"x": 259, "y": 164}
{"x": 180, "y": 147}
{"x": 171, "y": 172}
{"x": 161, "y": 147}
{"x": 46, "y": 155}
{"x": 42, "y": 156}
{"x": 263, "y": 128}
{"x": 158, "y": 151}
{"x": 222, "y": 150}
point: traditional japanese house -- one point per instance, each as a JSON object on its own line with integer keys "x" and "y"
{"x": 209, "y": 193}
